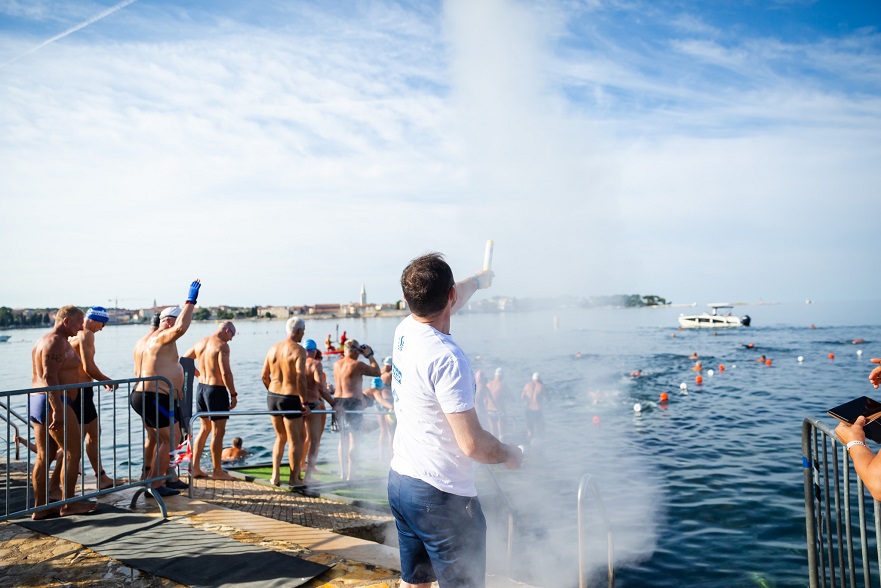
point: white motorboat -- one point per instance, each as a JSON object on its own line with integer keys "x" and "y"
{"x": 714, "y": 319}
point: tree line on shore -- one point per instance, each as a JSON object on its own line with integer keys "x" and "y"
{"x": 29, "y": 317}
{"x": 42, "y": 317}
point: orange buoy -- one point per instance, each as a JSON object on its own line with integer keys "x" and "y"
{"x": 699, "y": 379}
{"x": 767, "y": 362}
{"x": 721, "y": 368}
{"x": 664, "y": 397}
{"x": 831, "y": 356}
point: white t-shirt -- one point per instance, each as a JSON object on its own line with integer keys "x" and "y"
{"x": 430, "y": 376}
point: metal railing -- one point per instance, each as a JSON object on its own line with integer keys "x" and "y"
{"x": 510, "y": 515}
{"x": 831, "y": 488}
{"x": 586, "y": 483}
{"x": 123, "y": 428}
{"x": 10, "y": 425}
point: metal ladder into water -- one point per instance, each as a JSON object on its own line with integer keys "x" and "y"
{"x": 585, "y": 485}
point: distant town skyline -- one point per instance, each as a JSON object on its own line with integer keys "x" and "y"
{"x": 293, "y": 151}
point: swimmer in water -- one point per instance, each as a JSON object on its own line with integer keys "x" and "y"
{"x": 235, "y": 453}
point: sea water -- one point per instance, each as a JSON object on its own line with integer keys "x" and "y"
{"x": 706, "y": 490}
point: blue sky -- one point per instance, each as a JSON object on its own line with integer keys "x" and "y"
{"x": 287, "y": 152}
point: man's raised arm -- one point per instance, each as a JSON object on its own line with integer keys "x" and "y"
{"x": 466, "y": 288}
{"x": 186, "y": 317}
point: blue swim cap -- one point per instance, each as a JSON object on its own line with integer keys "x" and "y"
{"x": 377, "y": 382}
{"x": 309, "y": 345}
{"x": 98, "y": 313}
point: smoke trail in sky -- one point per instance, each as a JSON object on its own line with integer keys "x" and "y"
{"x": 69, "y": 31}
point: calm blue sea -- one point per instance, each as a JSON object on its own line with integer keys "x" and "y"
{"x": 706, "y": 491}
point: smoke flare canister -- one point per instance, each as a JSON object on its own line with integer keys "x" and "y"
{"x": 488, "y": 255}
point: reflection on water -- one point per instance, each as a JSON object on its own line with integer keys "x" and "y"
{"x": 705, "y": 489}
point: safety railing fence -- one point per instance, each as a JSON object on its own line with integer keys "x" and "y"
{"x": 114, "y": 445}
{"x": 843, "y": 545}
{"x": 6, "y": 414}
{"x": 586, "y": 484}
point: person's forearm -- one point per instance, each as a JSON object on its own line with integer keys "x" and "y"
{"x": 491, "y": 450}
{"x": 96, "y": 374}
{"x": 327, "y": 396}
{"x": 465, "y": 289}
{"x": 868, "y": 468}
{"x": 55, "y": 401}
{"x": 228, "y": 382}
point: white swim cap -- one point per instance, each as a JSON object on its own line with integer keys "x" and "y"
{"x": 535, "y": 377}
{"x": 171, "y": 311}
{"x": 498, "y": 371}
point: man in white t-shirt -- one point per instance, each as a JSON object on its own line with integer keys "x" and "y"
{"x": 432, "y": 492}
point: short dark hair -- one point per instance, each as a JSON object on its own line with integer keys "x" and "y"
{"x": 426, "y": 283}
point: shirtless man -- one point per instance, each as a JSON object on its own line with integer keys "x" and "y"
{"x": 216, "y": 393}
{"x": 157, "y": 355}
{"x": 284, "y": 375}
{"x": 496, "y": 404}
{"x": 55, "y": 363}
{"x": 316, "y": 389}
{"x": 84, "y": 344}
{"x": 347, "y": 374}
{"x": 533, "y": 393}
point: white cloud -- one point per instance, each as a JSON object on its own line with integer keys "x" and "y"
{"x": 291, "y": 156}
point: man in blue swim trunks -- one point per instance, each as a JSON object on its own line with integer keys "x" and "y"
{"x": 284, "y": 375}
{"x": 55, "y": 363}
{"x": 216, "y": 393}
{"x": 84, "y": 344}
{"x": 431, "y": 487}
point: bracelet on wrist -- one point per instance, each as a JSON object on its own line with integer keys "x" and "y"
{"x": 852, "y": 443}
{"x": 477, "y": 281}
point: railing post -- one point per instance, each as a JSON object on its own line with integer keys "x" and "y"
{"x": 584, "y": 484}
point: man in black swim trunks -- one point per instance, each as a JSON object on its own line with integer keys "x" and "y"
{"x": 216, "y": 393}
{"x": 347, "y": 375}
{"x": 84, "y": 344}
{"x": 157, "y": 355}
{"x": 284, "y": 375}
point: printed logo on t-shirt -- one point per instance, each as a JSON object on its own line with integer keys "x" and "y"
{"x": 401, "y": 343}
{"x": 396, "y": 374}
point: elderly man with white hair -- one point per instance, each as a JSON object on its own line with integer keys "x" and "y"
{"x": 284, "y": 375}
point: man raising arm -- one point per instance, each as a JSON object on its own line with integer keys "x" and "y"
{"x": 438, "y": 439}
{"x": 158, "y": 356}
